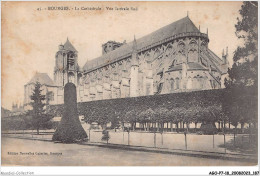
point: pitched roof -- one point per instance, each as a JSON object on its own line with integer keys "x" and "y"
{"x": 42, "y": 78}
{"x": 181, "y": 26}
{"x": 68, "y": 46}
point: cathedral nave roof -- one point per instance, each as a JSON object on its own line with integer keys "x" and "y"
{"x": 181, "y": 26}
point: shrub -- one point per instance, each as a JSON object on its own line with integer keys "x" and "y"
{"x": 70, "y": 129}
{"x": 208, "y": 128}
{"x": 105, "y": 136}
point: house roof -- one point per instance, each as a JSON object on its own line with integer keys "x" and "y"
{"x": 42, "y": 78}
{"x": 68, "y": 46}
{"x": 181, "y": 26}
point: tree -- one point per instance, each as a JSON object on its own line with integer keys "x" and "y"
{"x": 147, "y": 116}
{"x": 131, "y": 117}
{"x": 115, "y": 120}
{"x": 244, "y": 69}
{"x": 162, "y": 116}
{"x": 38, "y": 116}
{"x": 103, "y": 117}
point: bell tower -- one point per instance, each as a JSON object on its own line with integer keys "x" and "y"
{"x": 66, "y": 64}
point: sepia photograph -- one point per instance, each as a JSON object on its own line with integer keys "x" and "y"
{"x": 129, "y": 84}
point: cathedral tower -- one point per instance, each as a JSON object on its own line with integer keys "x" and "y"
{"x": 66, "y": 65}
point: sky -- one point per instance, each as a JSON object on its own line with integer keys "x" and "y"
{"x": 31, "y": 35}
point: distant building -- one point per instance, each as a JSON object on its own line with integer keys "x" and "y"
{"x": 5, "y": 112}
{"x": 175, "y": 58}
{"x": 49, "y": 89}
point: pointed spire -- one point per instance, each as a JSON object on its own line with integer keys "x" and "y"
{"x": 227, "y": 51}
{"x": 134, "y": 54}
{"x": 199, "y": 27}
{"x": 187, "y": 13}
{"x": 134, "y": 44}
{"x": 68, "y": 46}
{"x": 207, "y": 31}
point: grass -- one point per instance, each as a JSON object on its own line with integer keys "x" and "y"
{"x": 242, "y": 144}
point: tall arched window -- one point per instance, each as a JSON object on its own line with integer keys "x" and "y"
{"x": 181, "y": 52}
{"x": 172, "y": 84}
{"x": 177, "y": 83}
{"x": 72, "y": 77}
{"x": 203, "y": 46}
{"x": 193, "y": 54}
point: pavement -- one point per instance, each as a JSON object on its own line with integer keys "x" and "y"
{"x": 192, "y": 153}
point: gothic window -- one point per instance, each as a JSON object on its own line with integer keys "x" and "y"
{"x": 197, "y": 82}
{"x": 80, "y": 79}
{"x": 177, "y": 83}
{"x": 50, "y": 96}
{"x": 189, "y": 83}
{"x": 181, "y": 48}
{"x": 192, "y": 55}
{"x": 181, "y": 52}
{"x": 71, "y": 58}
{"x": 172, "y": 84}
{"x": 148, "y": 89}
{"x": 71, "y": 77}
{"x": 213, "y": 84}
{"x": 156, "y": 54}
{"x": 107, "y": 79}
{"x": 86, "y": 86}
{"x": 168, "y": 51}
{"x": 115, "y": 76}
{"x": 203, "y": 46}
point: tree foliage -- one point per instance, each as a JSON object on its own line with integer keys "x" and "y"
{"x": 38, "y": 117}
{"x": 70, "y": 129}
{"x": 240, "y": 98}
{"x": 244, "y": 69}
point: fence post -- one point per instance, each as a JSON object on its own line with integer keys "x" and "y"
{"x": 128, "y": 136}
{"x": 213, "y": 140}
{"x": 162, "y": 137}
{"x": 154, "y": 139}
{"x": 89, "y": 133}
{"x": 123, "y": 136}
{"x": 225, "y": 142}
{"x": 185, "y": 140}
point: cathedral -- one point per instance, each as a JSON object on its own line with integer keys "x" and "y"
{"x": 175, "y": 58}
